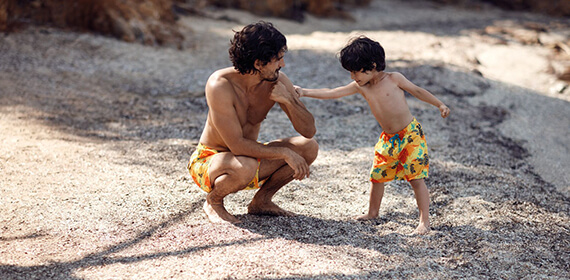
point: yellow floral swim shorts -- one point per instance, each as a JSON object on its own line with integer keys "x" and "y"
{"x": 199, "y": 165}
{"x": 401, "y": 156}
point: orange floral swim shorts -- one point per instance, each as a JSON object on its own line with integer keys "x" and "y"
{"x": 199, "y": 166}
{"x": 401, "y": 156}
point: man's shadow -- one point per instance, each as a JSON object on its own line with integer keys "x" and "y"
{"x": 312, "y": 230}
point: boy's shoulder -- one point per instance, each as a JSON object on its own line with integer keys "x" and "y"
{"x": 395, "y": 77}
{"x": 394, "y": 74}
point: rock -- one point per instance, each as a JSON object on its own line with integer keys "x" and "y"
{"x": 292, "y": 9}
{"x": 151, "y": 22}
{"x": 552, "y": 7}
{"x": 146, "y": 21}
{"x": 3, "y": 15}
{"x": 558, "y": 88}
{"x": 513, "y": 64}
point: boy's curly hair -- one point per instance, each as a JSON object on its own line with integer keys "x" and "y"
{"x": 363, "y": 54}
{"x": 256, "y": 41}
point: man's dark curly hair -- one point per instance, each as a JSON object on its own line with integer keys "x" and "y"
{"x": 361, "y": 54}
{"x": 256, "y": 41}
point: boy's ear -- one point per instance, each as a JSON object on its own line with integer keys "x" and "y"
{"x": 374, "y": 65}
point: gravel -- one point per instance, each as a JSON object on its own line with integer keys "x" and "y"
{"x": 96, "y": 134}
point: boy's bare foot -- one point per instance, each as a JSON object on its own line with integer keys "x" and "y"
{"x": 217, "y": 213}
{"x": 422, "y": 229}
{"x": 268, "y": 208}
{"x": 367, "y": 217}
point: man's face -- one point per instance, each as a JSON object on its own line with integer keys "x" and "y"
{"x": 270, "y": 71}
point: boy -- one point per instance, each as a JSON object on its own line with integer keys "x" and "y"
{"x": 401, "y": 151}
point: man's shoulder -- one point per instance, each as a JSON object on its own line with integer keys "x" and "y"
{"x": 285, "y": 80}
{"x": 283, "y": 76}
{"x": 220, "y": 80}
{"x": 223, "y": 74}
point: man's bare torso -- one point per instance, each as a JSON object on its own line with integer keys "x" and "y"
{"x": 251, "y": 106}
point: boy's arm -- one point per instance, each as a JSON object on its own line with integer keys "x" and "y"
{"x": 420, "y": 93}
{"x": 326, "y": 93}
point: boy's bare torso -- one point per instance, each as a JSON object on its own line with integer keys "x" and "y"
{"x": 387, "y": 103}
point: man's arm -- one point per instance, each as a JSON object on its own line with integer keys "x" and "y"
{"x": 221, "y": 97}
{"x": 302, "y": 120}
{"x": 223, "y": 116}
{"x": 420, "y": 93}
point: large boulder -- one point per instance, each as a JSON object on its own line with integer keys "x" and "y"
{"x": 292, "y": 9}
{"x": 552, "y": 7}
{"x": 146, "y": 21}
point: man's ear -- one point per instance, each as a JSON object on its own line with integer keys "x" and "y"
{"x": 258, "y": 64}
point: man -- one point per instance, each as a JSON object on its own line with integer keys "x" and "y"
{"x": 228, "y": 157}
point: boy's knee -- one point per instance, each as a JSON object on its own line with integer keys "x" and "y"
{"x": 418, "y": 183}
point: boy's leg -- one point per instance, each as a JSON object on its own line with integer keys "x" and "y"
{"x": 376, "y": 194}
{"x": 422, "y": 198}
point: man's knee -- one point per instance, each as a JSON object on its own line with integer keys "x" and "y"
{"x": 310, "y": 150}
{"x": 244, "y": 172}
{"x": 235, "y": 174}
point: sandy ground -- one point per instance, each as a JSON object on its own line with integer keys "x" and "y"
{"x": 96, "y": 133}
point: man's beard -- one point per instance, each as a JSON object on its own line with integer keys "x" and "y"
{"x": 273, "y": 78}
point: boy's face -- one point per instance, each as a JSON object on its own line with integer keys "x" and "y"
{"x": 362, "y": 77}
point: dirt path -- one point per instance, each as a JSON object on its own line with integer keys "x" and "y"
{"x": 95, "y": 135}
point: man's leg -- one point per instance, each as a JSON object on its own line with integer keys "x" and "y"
{"x": 278, "y": 174}
{"x": 229, "y": 174}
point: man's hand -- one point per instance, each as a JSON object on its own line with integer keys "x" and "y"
{"x": 280, "y": 94}
{"x": 299, "y": 166}
{"x": 444, "y": 110}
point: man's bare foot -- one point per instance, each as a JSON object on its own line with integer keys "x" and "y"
{"x": 422, "y": 229}
{"x": 217, "y": 213}
{"x": 367, "y": 217}
{"x": 268, "y": 208}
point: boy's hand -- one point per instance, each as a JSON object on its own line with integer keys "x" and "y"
{"x": 444, "y": 110}
{"x": 298, "y": 90}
